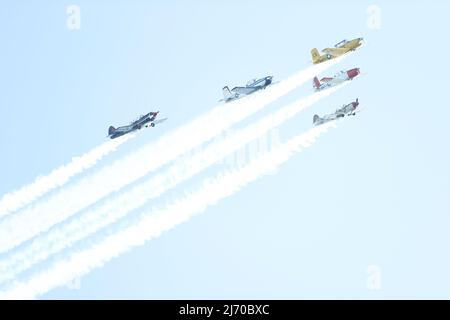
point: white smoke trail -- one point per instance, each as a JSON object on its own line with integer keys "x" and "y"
{"x": 94, "y": 219}
{"x": 35, "y": 219}
{"x": 152, "y": 224}
{"x": 18, "y": 199}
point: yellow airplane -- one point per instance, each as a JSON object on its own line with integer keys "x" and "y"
{"x": 339, "y": 49}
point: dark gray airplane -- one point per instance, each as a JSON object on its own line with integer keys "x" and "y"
{"x": 143, "y": 121}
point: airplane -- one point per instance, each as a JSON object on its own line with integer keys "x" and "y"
{"x": 345, "y": 110}
{"x": 143, "y": 121}
{"x": 339, "y": 49}
{"x": 338, "y": 78}
{"x": 251, "y": 87}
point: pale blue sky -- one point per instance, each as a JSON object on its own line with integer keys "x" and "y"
{"x": 373, "y": 191}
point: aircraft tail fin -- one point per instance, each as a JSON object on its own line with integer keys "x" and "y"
{"x": 316, "y": 83}
{"x": 315, "y": 55}
{"x": 316, "y": 118}
{"x": 111, "y": 130}
{"x": 226, "y": 93}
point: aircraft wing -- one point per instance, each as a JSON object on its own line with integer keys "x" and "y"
{"x": 330, "y": 117}
{"x": 243, "y": 90}
{"x": 335, "y": 51}
{"x": 159, "y": 121}
{"x": 124, "y": 129}
{"x": 358, "y": 110}
{"x": 326, "y": 79}
{"x": 141, "y": 121}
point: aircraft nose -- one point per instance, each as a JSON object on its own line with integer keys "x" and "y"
{"x": 353, "y": 73}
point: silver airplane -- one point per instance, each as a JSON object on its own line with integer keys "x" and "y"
{"x": 143, "y": 121}
{"x": 251, "y": 87}
{"x": 345, "y": 110}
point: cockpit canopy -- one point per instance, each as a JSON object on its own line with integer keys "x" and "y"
{"x": 251, "y": 82}
{"x": 340, "y": 44}
{"x": 137, "y": 119}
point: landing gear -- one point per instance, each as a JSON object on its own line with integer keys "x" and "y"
{"x": 152, "y": 124}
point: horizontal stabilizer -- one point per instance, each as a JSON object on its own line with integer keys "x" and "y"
{"x": 226, "y": 93}
{"x": 159, "y": 121}
{"x": 316, "y": 83}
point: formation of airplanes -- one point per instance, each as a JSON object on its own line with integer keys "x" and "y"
{"x": 149, "y": 120}
{"x": 327, "y": 82}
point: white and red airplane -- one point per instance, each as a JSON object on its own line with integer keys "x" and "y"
{"x": 338, "y": 78}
